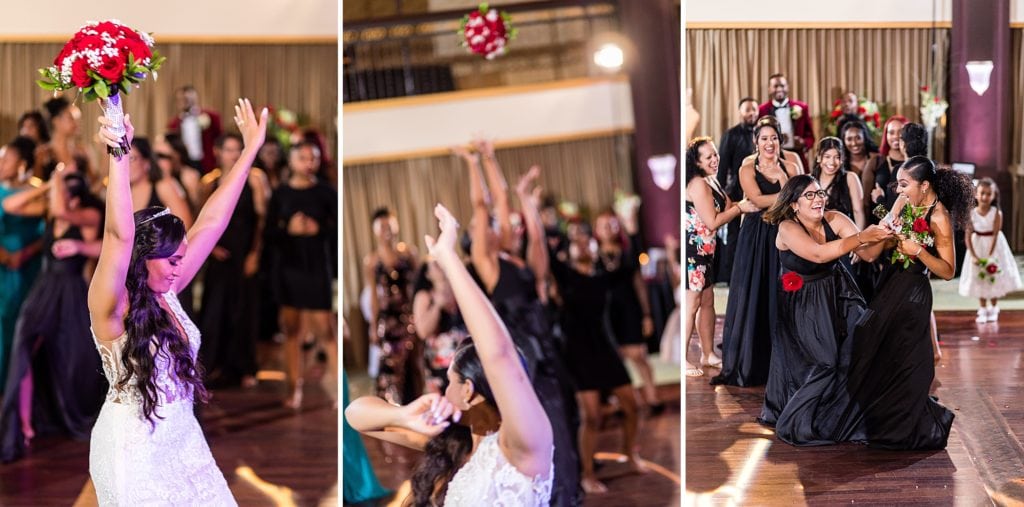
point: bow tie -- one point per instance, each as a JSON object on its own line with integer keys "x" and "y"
{"x": 780, "y": 105}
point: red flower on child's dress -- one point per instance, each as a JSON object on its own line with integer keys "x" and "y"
{"x": 921, "y": 225}
{"x": 792, "y": 281}
{"x": 992, "y": 269}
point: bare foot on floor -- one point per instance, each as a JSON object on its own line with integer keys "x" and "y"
{"x": 593, "y": 486}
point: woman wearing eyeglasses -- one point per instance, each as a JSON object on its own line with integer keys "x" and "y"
{"x": 750, "y": 314}
{"x": 818, "y": 306}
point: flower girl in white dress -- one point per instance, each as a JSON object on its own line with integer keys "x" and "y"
{"x": 487, "y": 439}
{"x": 147, "y": 447}
{"x": 990, "y": 271}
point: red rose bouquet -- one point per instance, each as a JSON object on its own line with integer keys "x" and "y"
{"x": 486, "y": 32}
{"x": 910, "y": 224}
{"x": 102, "y": 60}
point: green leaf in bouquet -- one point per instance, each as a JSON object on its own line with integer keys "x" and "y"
{"x": 101, "y": 89}
{"x": 46, "y": 85}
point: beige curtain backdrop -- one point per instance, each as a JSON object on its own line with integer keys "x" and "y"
{"x": 586, "y": 171}
{"x": 302, "y": 78}
{"x": 887, "y": 66}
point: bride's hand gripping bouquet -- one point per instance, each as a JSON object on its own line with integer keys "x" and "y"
{"x": 103, "y": 60}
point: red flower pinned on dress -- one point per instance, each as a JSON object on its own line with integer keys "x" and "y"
{"x": 921, "y": 225}
{"x": 792, "y": 281}
{"x": 992, "y": 269}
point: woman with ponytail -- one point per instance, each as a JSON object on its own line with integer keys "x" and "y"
{"x": 892, "y": 369}
{"x": 147, "y": 447}
{"x": 487, "y": 439}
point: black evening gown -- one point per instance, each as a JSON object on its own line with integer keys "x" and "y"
{"x": 892, "y": 370}
{"x": 805, "y": 397}
{"x": 227, "y": 318}
{"x": 751, "y": 312}
{"x": 516, "y": 302}
{"x": 52, "y": 335}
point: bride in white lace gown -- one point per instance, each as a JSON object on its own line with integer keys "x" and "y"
{"x": 474, "y": 455}
{"x": 147, "y": 447}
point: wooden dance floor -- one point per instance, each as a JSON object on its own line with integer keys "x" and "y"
{"x": 730, "y": 459}
{"x": 270, "y": 455}
{"x": 658, "y": 439}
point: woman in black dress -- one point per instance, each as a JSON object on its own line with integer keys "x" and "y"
{"x": 593, "y": 361}
{"x": 303, "y": 225}
{"x": 892, "y": 369}
{"x": 55, "y": 383}
{"x": 751, "y": 311}
{"x": 628, "y": 310}
{"x": 511, "y": 284}
{"x": 805, "y": 397}
{"x": 228, "y": 318}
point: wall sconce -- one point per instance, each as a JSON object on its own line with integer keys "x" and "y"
{"x": 663, "y": 170}
{"x": 979, "y": 71}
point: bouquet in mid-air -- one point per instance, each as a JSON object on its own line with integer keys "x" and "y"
{"x": 103, "y": 60}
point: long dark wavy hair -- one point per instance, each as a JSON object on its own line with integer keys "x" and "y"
{"x": 445, "y": 453}
{"x": 954, "y": 189}
{"x": 146, "y": 324}
{"x": 789, "y": 194}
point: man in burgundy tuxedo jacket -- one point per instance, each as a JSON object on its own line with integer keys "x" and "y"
{"x": 794, "y": 116}
{"x": 199, "y": 128}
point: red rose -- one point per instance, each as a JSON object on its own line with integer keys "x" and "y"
{"x": 924, "y": 88}
{"x": 138, "y": 49}
{"x": 921, "y": 225}
{"x": 112, "y": 69}
{"x": 992, "y": 269}
{"x": 91, "y": 42}
{"x": 112, "y": 28}
{"x": 836, "y": 113}
{"x": 792, "y": 281}
{"x": 79, "y": 73}
{"x": 64, "y": 53}
{"x": 936, "y": 100}
{"x": 861, "y": 110}
{"x": 836, "y": 103}
{"x": 130, "y": 34}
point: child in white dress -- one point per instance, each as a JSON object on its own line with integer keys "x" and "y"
{"x": 990, "y": 271}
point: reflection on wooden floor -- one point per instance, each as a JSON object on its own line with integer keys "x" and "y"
{"x": 730, "y": 459}
{"x": 658, "y": 439}
{"x": 270, "y": 455}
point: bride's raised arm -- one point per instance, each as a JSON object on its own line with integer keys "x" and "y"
{"x": 525, "y": 429}
{"x": 216, "y": 213}
{"x": 107, "y": 294}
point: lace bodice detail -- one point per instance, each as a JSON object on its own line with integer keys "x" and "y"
{"x": 169, "y": 390}
{"x": 489, "y": 479}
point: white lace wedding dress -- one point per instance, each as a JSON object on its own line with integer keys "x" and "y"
{"x": 489, "y": 479}
{"x": 167, "y": 463}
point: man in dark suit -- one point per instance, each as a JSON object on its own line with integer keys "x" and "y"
{"x": 737, "y": 143}
{"x": 199, "y": 128}
{"x": 794, "y": 116}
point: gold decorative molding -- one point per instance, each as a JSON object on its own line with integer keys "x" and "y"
{"x": 439, "y": 98}
{"x": 531, "y": 141}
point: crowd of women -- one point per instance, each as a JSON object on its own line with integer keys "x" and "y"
{"x": 276, "y": 257}
{"x": 830, "y": 306}
{"x": 554, "y": 287}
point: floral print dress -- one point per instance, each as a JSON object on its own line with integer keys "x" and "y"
{"x": 700, "y": 245}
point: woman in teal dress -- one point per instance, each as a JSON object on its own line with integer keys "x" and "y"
{"x": 360, "y": 483}
{"x": 20, "y": 242}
